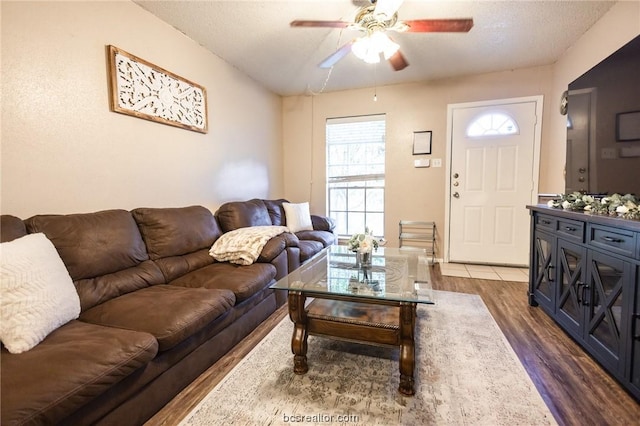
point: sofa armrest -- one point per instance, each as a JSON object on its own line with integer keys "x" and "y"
{"x": 11, "y": 228}
{"x": 277, "y": 245}
{"x": 322, "y": 223}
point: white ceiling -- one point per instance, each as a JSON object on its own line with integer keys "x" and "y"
{"x": 255, "y": 37}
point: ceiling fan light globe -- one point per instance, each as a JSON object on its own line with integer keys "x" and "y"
{"x": 389, "y": 48}
{"x": 372, "y": 57}
{"x": 381, "y": 43}
{"x": 361, "y": 47}
{"x": 366, "y": 49}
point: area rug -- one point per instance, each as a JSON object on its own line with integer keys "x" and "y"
{"x": 466, "y": 374}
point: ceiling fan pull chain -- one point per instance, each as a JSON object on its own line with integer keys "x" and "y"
{"x": 375, "y": 82}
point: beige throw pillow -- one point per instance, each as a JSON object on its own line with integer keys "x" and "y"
{"x": 298, "y": 217}
{"x": 37, "y": 294}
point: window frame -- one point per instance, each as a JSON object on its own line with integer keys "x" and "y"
{"x": 367, "y": 183}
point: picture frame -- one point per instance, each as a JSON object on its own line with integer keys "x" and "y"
{"x": 141, "y": 89}
{"x": 628, "y": 126}
{"x": 422, "y": 142}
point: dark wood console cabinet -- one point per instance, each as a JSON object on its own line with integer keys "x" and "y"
{"x": 584, "y": 273}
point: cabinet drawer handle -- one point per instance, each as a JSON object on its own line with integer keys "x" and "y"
{"x": 546, "y": 222}
{"x": 570, "y": 228}
{"x": 613, "y": 240}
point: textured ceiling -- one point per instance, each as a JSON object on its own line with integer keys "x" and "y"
{"x": 255, "y": 37}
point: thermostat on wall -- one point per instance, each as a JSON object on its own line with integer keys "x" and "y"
{"x": 423, "y": 162}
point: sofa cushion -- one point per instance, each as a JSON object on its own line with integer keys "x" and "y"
{"x": 176, "y": 266}
{"x": 73, "y": 365}
{"x": 93, "y": 244}
{"x": 176, "y": 231}
{"x": 11, "y": 227}
{"x": 309, "y": 248}
{"x": 169, "y": 313}
{"x": 93, "y": 291}
{"x": 241, "y": 214}
{"x": 276, "y": 211}
{"x": 298, "y": 217}
{"x": 277, "y": 245}
{"x": 36, "y": 292}
{"x": 325, "y": 238}
{"x": 323, "y": 223}
{"x": 243, "y": 281}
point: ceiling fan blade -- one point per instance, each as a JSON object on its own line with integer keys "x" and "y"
{"x": 387, "y": 7}
{"x": 398, "y": 62}
{"x": 333, "y": 59}
{"x": 328, "y": 24}
{"x": 439, "y": 25}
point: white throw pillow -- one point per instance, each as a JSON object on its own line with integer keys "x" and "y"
{"x": 37, "y": 294}
{"x": 298, "y": 217}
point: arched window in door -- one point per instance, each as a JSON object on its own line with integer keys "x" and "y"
{"x": 493, "y": 123}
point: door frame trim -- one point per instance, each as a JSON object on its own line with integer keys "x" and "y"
{"x": 537, "y": 137}
{"x": 592, "y": 151}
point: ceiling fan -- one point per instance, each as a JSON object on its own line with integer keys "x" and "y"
{"x": 375, "y": 19}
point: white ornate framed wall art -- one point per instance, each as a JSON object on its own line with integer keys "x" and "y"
{"x": 144, "y": 90}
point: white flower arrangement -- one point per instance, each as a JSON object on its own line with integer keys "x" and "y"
{"x": 626, "y": 206}
{"x": 363, "y": 243}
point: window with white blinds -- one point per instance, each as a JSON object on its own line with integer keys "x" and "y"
{"x": 355, "y": 173}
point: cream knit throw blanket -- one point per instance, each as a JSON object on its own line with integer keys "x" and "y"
{"x": 242, "y": 246}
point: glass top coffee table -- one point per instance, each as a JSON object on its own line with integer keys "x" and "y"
{"x": 373, "y": 303}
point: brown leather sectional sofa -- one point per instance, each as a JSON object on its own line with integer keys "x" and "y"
{"x": 156, "y": 309}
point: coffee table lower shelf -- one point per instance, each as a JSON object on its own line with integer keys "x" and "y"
{"x": 370, "y": 321}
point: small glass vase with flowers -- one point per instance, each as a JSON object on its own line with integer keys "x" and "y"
{"x": 363, "y": 245}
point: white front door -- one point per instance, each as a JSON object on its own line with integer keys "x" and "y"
{"x": 492, "y": 177}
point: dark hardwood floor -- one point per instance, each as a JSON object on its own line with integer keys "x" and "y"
{"x": 575, "y": 388}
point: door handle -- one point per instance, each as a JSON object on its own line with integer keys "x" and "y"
{"x": 456, "y": 195}
{"x": 456, "y": 176}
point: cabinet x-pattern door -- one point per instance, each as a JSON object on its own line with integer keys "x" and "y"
{"x": 605, "y": 305}
{"x": 545, "y": 271}
{"x": 571, "y": 287}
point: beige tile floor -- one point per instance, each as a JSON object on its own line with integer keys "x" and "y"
{"x": 487, "y": 272}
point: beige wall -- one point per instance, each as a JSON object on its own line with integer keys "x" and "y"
{"x": 411, "y": 193}
{"x": 419, "y": 193}
{"x": 64, "y": 151}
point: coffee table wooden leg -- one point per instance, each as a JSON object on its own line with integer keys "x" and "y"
{"x": 298, "y": 315}
{"x": 407, "y": 347}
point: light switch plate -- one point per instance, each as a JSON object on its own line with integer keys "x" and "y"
{"x": 423, "y": 162}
